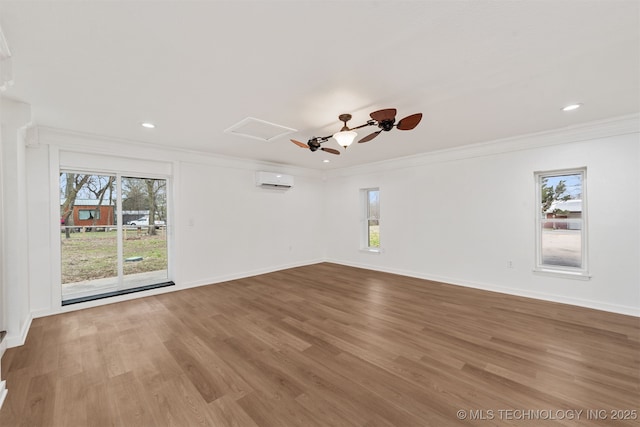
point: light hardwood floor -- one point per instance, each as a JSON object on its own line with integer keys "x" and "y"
{"x": 326, "y": 345}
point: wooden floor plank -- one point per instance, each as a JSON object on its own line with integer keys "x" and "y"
{"x": 225, "y": 412}
{"x": 40, "y": 406}
{"x": 323, "y": 345}
{"x": 70, "y": 409}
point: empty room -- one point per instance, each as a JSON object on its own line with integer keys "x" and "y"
{"x": 319, "y": 213}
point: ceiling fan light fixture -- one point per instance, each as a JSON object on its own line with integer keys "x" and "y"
{"x": 345, "y": 137}
{"x": 384, "y": 119}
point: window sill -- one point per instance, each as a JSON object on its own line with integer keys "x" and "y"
{"x": 575, "y": 275}
{"x": 371, "y": 250}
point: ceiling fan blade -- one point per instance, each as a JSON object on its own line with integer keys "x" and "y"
{"x": 370, "y": 137}
{"x": 409, "y": 122}
{"x": 330, "y": 150}
{"x": 380, "y": 115}
{"x": 300, "y": 144}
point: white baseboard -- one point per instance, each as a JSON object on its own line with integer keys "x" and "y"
{"x": 596, "y": 305}
{"x": 3, "y": 384}
{"x": 19, "y": 339}
{"x": 626, "y": 310}
{"x": 179, "y": 286}
{"x": 245, "y": 274}
{"x": 3, "y": 347}
{"x": 3, "y": 392}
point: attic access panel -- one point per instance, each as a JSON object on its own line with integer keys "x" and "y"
{"x": 259, "y": 129}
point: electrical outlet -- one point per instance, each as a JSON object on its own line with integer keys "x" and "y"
{"x": 509, "y": 264}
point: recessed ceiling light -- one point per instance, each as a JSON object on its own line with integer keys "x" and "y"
{"x": 572, "y": 107}
{"x": 326, "y": 161}
{"x": 148, "y": 125}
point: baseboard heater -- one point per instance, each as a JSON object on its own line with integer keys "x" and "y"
{"x": 116, "y": 293}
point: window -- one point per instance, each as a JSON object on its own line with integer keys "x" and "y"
{"x": 88, "y": 214}
{"x": 561, "y": 222}
{"x": 371, "y": 230}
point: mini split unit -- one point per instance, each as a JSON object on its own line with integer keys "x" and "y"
{"x": 274, "y": 180}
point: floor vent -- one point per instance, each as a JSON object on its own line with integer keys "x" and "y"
{"x": 259, "y": 129}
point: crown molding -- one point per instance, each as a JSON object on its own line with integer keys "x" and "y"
{"x": 624, "y": 125}
{"x": 104, "y": 145}
{"x": 68, "y": 140}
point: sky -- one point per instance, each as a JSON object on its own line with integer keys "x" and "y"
{"x": 573, "y": 183}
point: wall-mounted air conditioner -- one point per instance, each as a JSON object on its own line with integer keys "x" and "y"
{"x": 274, "y": 180}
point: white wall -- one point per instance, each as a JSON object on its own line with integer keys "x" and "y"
{"x": 3, "y": 342}
{"x": 456, "y": 216}
{"x": 460, "y": 216}
{"x": 39, "y": 227}
{"x": 229, "y": 227}
{"x": 15, "y": 271}
{"x": 223, "y": 226}
{"x": 3, "y": 307}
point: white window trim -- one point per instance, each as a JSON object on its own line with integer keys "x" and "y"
{"x": 371, "y": 250}
{"x": 560, "y": 271}
{"x": 364, "y": 229}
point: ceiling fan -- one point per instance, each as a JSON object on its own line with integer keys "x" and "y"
{"x": 384, "y": 119}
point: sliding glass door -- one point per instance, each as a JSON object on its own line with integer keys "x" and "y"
{"x": 88, "y": 234}
{"x": 144, "y": 237}
{"x": 113, "y": 234}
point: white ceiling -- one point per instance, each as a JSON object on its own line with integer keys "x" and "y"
{"x": 478, "y": 70}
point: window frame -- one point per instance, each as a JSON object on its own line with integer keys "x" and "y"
{"x": 581, "y": 272}
{"x": 365, "y": 209}
{"x": 118, "y": 287}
